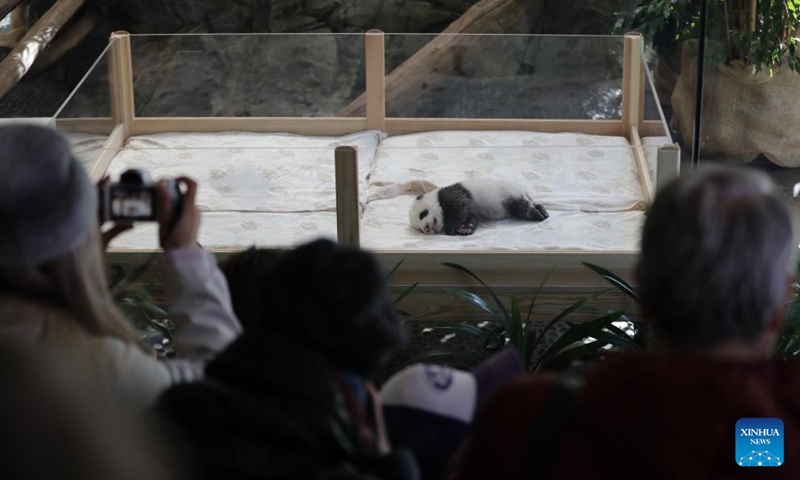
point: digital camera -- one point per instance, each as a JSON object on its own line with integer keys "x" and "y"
{"x": 134, "y": 199}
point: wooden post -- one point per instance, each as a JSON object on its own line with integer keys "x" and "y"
{"x": 648, "y": 192}
{"x": 376, "y": 78}
{"x": 668, "y": 164}
{"x": 447, "y": 51}
{"x": 633, "y": 82}
{"x": 347, "y": 208}
{"x": 121, "y": 80}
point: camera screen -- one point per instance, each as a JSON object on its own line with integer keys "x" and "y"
{"x": 132, "y": 203}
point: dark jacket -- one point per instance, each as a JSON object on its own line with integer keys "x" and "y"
{"x": 644, "y": 416}
{"x": 271, "y": 408}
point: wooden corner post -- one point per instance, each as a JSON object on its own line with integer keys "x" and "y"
{"x": 668, "y": 165}
{"x": 375, "y": 66}
{"x": 347, "y": 207}
{"x": 121, "y": 79}
{"x": 633, "y": 82}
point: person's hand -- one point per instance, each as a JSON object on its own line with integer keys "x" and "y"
{"x": 117, "y": 227}
{"x": 182, "y": 232}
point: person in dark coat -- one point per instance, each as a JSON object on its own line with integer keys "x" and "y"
{"x": 289, "y": 399}
{"x": 714, "y": 275}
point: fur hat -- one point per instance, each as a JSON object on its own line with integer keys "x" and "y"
{"x": 48, "y": 203}
{"x": 333, "y": 299}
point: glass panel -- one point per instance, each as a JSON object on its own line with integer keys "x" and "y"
{"x": 281, "y": 75}
{"x": 505, "y": 76}
{"x": 751, "y": 91}
{"x": 85, "y": 117}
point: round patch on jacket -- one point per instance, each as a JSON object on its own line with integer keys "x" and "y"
{"x": 439, "y": 377}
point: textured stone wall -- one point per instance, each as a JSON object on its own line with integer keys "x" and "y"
{"x": 280, "y": 16}
{"x": 234, "y": 75}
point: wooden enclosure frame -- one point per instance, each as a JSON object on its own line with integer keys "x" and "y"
{"x": 507, "y": 271}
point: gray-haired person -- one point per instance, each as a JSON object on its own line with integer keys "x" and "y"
{"x": 714, "y": 276}
{"x": 53, "y": 289}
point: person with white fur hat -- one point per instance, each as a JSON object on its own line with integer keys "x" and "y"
{"x": 53, "y": 288}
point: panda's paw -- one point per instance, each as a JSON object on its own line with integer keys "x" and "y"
{"x": 539, "y": 213}
{"x": 466, "y": 229}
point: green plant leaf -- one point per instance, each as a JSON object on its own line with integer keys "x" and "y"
{"x": 462, "y": 327}
{"x": 577, "y": 332}
{"x": 394, "y": 270}
{"x": 577, "y": 353}
{"x": 405, "y": 293}
{"x": 566, "y": 312}
{"x": 472, "y": 298}
{"x": 536, "y": 295}
{"x": 614, "y": 279}
{"x": 497, "y": 301}
{"x": 149, "y": 307}
{"x": 517, "y": 333}
{"x": 432, "y": 354}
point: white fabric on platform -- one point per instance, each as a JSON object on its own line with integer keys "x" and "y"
{"x": 251, "y": 172}
{"x": 86, "y": 147}
{"x": 384, "y": 226}
{"x": 242, "y": 230}
{"x": 563, "y": 171}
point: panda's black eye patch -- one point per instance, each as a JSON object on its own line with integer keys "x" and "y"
{"x": 419, "y": 197}
{"x": 423, "y": 214}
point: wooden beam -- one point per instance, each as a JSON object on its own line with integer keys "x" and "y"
{"x": 301, "y": 126}
{"x": 398, "y": 126}
{"x": 641, "y": 166}
{"x": 633, "y": 82}
{"x": 110, "y": 149}
{"x": 506, "y": 268}
{"x": 17, "y": 63}
{"x": 6, "y": 6}
{"x": 653, "y": 128}
{"x": 93, "y": 125}
{"x": 668, "y": 166}
{"x": 347, "y": 207}
{"x": 375, "y": 77}
{"x": 121, "y": 80}
{"x": 17, "y": 26}
{"x": 445, "y": 52}
{"x": 68, "y": 40}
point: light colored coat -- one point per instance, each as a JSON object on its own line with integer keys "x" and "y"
{"x": 199, "y": 303}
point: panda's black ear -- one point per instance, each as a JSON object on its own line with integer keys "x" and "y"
{"x": 419, "y": 197}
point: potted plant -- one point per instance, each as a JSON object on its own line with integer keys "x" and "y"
{"x": 751, "y": 73}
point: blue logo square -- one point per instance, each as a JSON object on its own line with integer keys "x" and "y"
{"x": 759, "y": 442}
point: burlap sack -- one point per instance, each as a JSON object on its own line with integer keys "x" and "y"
{"x": 744, "y": 113}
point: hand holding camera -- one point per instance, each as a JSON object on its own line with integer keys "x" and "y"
{"x": 178, "y": 224}
{"x": 136, "y": 198}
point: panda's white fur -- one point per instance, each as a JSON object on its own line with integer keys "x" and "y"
{"x": 488, "y": 196}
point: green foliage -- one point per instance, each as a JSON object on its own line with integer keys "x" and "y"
{"x": 507, "y": 325}
{"x": 405, "y": 292}
{"x": 759, "y": 33}
{"x": 138, "y": 305}
{"x": 788, "y": 343}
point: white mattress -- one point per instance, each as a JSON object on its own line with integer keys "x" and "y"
{"x": 563, "y": 171}
{"x": 385, "y": 227}
{"x": 278, "y": 190}
{"x": 251, "y": 172}
{"x": 86, "y": 147}
{"x": 243, "y": 230}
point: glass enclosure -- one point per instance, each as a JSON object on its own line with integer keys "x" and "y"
{"x": 256, "y": 120}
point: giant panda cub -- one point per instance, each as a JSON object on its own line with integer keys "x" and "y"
{"x": 457, "y": 209}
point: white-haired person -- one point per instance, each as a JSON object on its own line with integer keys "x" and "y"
{"x": 53, "y": 289}
{"x": 708, "y": 401}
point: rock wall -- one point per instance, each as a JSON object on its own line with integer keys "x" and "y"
{"x": 317, "y": 75}
{"x": 283, "y": 16}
